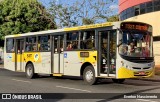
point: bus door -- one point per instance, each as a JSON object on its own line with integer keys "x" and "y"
{"x": 19, "y": 54}
{"x": 57, "y": 54}
{"x": 107, "y": 52}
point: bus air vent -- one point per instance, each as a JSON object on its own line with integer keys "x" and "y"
{"x": 136, "y": 68}
{"x": 146, "y": 67}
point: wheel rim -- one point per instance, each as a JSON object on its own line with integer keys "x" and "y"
{"x": 89, "y": 75}
{"x": 29, "y": 71}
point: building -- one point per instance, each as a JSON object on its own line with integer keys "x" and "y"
{"x": 147, "y": 11}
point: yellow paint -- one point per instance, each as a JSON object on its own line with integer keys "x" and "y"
{"x": 89, "y": 26}
{"x": 126, "y": 73}
{"x": 28, "y": 56}
{"x": 13, "y": 57}
{"x": 32, "y": 57}
{"x": 57, "y": 74}
{"x": 17, "y": 35}
{"x": 90, "y": 59}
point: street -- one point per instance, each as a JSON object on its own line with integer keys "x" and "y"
{"x": 16, "y": 82}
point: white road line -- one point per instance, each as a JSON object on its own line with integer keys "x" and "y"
{"x": 146, "y": 100}
{"x": 21, "y": 81}
{"x": 73, "y": 88}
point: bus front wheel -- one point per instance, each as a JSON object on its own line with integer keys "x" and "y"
{"x": 30, "y": 71}
{"x": 118, "y": 80}
{"x": 89, "y": 75}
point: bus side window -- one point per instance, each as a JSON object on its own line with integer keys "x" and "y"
{"x": 87, "y": 40}
{"x": 28, "y": 46}
{"x": 72, "y": 41}
{"x": 44, "y": 43}
{"x": 31, "y": 44}
{"x": 10, "y": 45}
{"x": 69, "y": 46}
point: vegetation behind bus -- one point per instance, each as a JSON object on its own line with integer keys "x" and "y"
{"x": 21, "y": 16}
{"x": 83, "y": 12}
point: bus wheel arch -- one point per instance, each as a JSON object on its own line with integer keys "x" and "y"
{"x": 29, "y": 70}
{"x": 84, "y": 66}
{"x": 88, "y": 73}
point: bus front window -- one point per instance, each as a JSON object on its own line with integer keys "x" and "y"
{"x": 136, "y": 44}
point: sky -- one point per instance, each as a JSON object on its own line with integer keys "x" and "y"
{"x": 113, "y": 6}
{"x": 46, "y": 3}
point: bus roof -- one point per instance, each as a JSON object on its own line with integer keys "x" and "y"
{"x": 85, "y": 27}
{"x": 89, "y": 26}
{"x": 36, "y": 33}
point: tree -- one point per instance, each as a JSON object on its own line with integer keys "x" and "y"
{"x": 81, "y": 12}
{"x": 21, "y": 16}
{"x": 63, "y": 13}
{"x": 113, "y": 18}
{"x": 95, "y": 11}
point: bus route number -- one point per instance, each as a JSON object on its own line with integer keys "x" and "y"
{"x": 29, "y": 55}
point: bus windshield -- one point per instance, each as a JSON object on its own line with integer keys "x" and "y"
{"x": 136, "y": 44}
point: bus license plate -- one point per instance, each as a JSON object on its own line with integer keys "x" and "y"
{"x": 141, "y": 73}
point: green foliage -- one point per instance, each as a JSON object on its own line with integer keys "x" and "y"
{"x": 81, "y": 12}
{"x": 87, "y": 21}
{"x": 113, "y": 18}
{"x": 63, "y": 13}
{"x": 21, "y": 16}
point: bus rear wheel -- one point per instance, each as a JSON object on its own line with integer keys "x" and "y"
{"x": 118, "y": 80}
{"x": 30, "y": 71}
{"x": 89, "y": 75}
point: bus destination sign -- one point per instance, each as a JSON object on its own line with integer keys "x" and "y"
{"x": 135, "y": 26}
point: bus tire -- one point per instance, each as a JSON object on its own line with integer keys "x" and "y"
{"x": 89, "y": 75}
{"x": 118, "y": 80}
{"x": 30, "y": 71}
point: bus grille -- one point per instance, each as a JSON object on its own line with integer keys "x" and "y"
{"x": 146, "y": 68}
{"x": 136, "y": 67}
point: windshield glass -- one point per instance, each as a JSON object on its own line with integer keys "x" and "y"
{"x": 136, "y": 44}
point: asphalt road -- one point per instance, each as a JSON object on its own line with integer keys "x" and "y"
{"x": 16, "y": 82}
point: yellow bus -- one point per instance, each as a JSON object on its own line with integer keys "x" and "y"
{"x": 116, "y": 50}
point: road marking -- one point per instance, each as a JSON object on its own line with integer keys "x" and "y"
{"x": 21, "y": 81}
{"x": 73, "y": 88}
{"x": 146, "y": 100}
